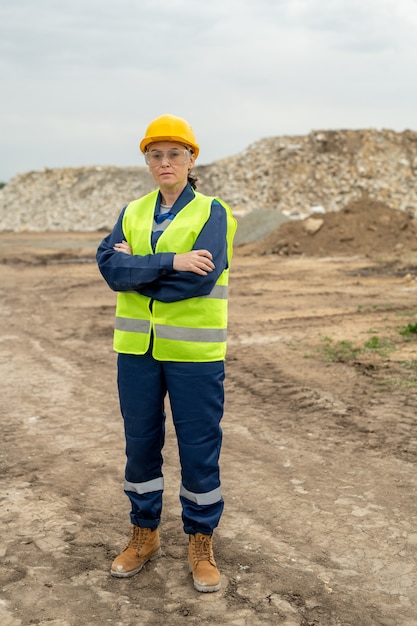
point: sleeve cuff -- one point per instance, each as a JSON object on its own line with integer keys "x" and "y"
{"x": 166, "y": 262}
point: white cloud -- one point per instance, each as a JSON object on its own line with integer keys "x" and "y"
{"x": 82, "y": 79}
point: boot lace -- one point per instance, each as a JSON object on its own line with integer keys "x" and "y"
{"x": 138, "y": 538}
{"x": 203, "y": 549}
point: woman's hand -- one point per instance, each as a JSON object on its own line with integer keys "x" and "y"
{"x": 123, "y": 247}
{"x": 197, "y": 261}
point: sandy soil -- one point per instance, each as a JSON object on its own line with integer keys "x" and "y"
{"x": 318, "y": 463}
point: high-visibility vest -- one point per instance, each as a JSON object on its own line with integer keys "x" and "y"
{"x": 188, "y": 330}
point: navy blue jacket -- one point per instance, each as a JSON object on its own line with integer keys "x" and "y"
{"x": 153, "y": 275}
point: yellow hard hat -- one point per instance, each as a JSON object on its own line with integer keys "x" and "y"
{"x": 170, "y": 128}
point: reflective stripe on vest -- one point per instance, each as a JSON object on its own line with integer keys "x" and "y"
{"x": 218, "y": 291}
{"x": 190, "y": 334}
{"x": 131, "y": 325}
{"x": 188, "y": 330}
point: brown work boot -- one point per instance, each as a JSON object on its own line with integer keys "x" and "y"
{"x": 144, "y": 545}
{"x": 206, "y": 576}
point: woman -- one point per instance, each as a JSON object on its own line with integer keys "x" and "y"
{"x": 168, "y": 257}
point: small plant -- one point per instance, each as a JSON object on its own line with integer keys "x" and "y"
{"x": 340, "y": 351}
{"x": 410, "y": 329}
{"x": 373, "y": 343}
{"x": 343, "y": 351}
{"x": 382, "y": 346}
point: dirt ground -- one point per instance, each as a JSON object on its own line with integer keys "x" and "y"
{"x": 318, "y": 462}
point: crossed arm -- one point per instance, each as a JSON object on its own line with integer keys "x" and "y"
{"x": 197, "y": 261}
{"x": 166, "y": 276}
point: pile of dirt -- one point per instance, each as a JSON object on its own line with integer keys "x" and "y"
{"x": 365, "y": 227}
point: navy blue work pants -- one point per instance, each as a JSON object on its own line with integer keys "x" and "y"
{"x": 196, "y": 397}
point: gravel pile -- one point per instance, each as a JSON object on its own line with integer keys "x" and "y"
{"x": 284, "y": 177}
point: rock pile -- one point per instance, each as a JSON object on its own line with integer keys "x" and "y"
{"x": 80, "y": 199}
{"x": 296, "y": 176}
{"x": 321, "y": 171}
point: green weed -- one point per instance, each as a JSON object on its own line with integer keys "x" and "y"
{"x": 407, "y": 331}
{"x": 343, "y": 351}
{"x": 339, "y": 351}
{"x": 381, "y": 346}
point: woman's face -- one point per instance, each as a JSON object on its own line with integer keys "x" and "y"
{"x": 169, "y": 163}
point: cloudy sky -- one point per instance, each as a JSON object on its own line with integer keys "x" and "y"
{"x": 81, "y": 79}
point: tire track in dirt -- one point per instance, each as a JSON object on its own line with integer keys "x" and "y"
{"x": 273, "y": 415}
{"x": 387, "y": 424}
